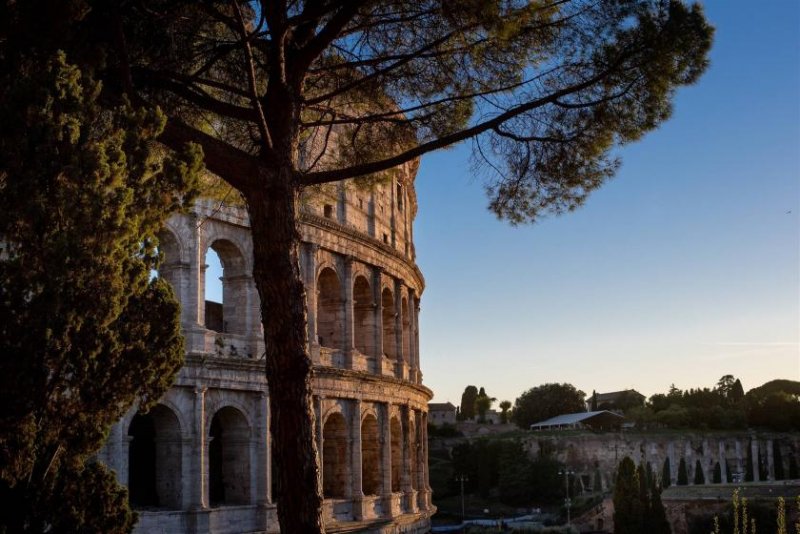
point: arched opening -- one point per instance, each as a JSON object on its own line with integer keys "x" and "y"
{"x": 229, "y": 458}
{"x": 389, "y": 330}
{"x": 154, "y": 459}
{"x": 370, "y": 456}
{"x": 169, "y": 266}
{"x": 334, "y": 457}
{"x": 225, "y": 288}
{"x": 364, "y": 317}
{"x": 397, "y": 453}
{"x": 330, "y": 310}
{"x": 406, "y": 322}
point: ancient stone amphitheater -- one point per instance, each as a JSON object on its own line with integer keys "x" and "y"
{"x": 200, "y": 461}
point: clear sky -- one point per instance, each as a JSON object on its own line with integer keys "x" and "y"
{"x": 683, "y": 268}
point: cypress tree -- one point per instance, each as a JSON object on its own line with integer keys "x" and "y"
{"x": 717, "y": 473}
{"x": 628, "y": 512}
{"x": 728, "y": 473}
{"x": 657, "y": 522}
{"x": 794, "y": 473}
{"x": 699, "y": 476}
{"x": 777, "y": 459}
{"x": 683, "y": 476}
{"x": 748, "y": 470}
{"x": 598, "y": 482}
{"x": 763, "y": 472}
{"x": 666, "y": 474}
{"x": 84, "y": 332}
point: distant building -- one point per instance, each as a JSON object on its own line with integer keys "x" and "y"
{"x": 616, "y": 400}
{"x": 440, "y": 413}
{"x": 599, "y": 420}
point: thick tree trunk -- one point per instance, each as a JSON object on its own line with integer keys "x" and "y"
{"x": 276, "y": 272}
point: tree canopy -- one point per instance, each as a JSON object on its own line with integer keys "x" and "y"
{"x": 286, "y": 95}
{"x": 84, "y": 332}
{"x": 546, "y": 401}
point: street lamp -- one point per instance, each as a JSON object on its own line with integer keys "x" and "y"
{"x": 567, "y": 502}
{"x": 462, "y": 479}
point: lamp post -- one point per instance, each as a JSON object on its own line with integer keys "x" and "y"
{"x": 462, "y": 479}
{"x": 567, "y": 502}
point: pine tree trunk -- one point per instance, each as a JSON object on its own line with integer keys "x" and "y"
{"x": 276, "y": 273}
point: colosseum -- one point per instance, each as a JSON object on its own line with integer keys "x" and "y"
{"x": 200, "y": 461}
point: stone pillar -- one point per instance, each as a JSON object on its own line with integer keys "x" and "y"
{"x": 318, "y": 436}
{"x": 754, "y": 449}
{"x": 356, "y": 479}
{"x": 413, "y": 357}
{"x": 198, "y": 485}
{"x": 723, "y": 461}
{"x": 415, "y": 341}
{"x": 349, "y": 315}
{"x": 386, "y": 450}
{"x": 398, "y": 329}
{"x": 408, "y": 469}
{"x": 310, "y": 281}
{"x": 378, "y": 290}
{"x": 261, "y": 487}
{"x": 770, "y": 460}
{"x": 426, "y": 482}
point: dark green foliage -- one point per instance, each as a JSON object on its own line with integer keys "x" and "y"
{"x": 546, "y": 401}
{"x": 483, "y": 403}
{"x": 83, "y": 195}
{"x": 666, "y": 474}
{"x": 637, "y": 501}
{"x": 699, "y": 476}
{"x": 594, "y": 400}
{"x": 445, "y": 430}
{"x": 777, "y": 459}
{"x": 728, "y": 473}
{"x": 762, "y": 466}
{"x": 737, "y": 393}
{"x": 717, "y": 473}
{"x": 683, "y": 476}
{"x": 628, "y": 508}
{"x": 505, "y": 406}
{"x": 468, "y": 399}
{"x": 764, "y": 514}
{"x": 597, "y": 487}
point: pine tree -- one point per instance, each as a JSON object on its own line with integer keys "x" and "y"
{"x": 666, "y": 474}
{"x": 468, "y": 399}
{"x": 699, "y": 476}
{"x": 683, "y": 476}
{"x": 82, "y": 195}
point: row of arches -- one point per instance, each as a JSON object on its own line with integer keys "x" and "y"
{"x": 396, "y": 337}
{"x": 155, "y": 459}
{"x": 337, "y": 455}
{"x": 157, "y": 449}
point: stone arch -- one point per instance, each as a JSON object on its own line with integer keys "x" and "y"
{"x": 334, "y": 456}
{"x": 371, "y": 472}
{"x": 364, "y": 316}
{"x": 406, "y": 329}
{"x": 155, "y": 459}
{"x": 330, "y": 310}
{"x": 230, "y": 315}
{"x": 389, "y": 327}
{"x": 396, "y": 431}
{"x": 229, "y": 458}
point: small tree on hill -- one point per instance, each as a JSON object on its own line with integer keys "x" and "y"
{"x": 699, "y": 476}
{"x": 504, "y": 407}
{"x": 683, "y": 476}
{"x": 546, "y": 401}
{"x": 468, "y": 399}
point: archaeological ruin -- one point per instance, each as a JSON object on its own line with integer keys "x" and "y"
{"x": 200, "y": 461}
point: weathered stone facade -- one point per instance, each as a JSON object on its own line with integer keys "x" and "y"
{"x": 592, "y": 455}
{"x": 200, "y": 461}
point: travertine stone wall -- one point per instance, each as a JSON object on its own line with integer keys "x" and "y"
{"x": 201, "y": 460}
{"x": 592, "y": 454}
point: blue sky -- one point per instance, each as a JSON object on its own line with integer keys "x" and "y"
{"x": 683, "y": 268}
